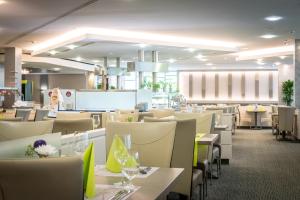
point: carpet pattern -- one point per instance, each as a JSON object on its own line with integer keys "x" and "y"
{"x": 262, "y": 168}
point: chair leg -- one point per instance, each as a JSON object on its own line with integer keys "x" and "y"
{"x": 211, "y": 173}
{"x": 206, "y": 193}
{"x": 200, "y": 191}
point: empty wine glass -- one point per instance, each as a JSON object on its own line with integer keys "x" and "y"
{"x": 130, "y": 168}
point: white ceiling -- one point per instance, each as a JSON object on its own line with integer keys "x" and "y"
{"x": 239, "y": 21}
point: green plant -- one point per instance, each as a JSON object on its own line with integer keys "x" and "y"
{"x": 155, "y": 87}
{"x": 99, "y": 86}
{"x": 288, "y": 92}
{"x": 164, "y": 85}
{"x": 112, "y": 87}
{"x": 146, "y": 85}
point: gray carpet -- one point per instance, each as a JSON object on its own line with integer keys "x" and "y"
{"x": 261, "y": 168}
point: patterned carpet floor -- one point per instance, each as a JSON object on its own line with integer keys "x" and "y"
{"x": 262, "y": 168}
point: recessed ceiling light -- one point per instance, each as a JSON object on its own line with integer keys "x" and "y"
{"x": 203, "y": 59}
{"x": 2, "y": 2}
{"x": 56, "y": 68}
{"x": 172, "y": 60}
{"x": 142, "y": 45}
{"x": 199, "y": 56}
{"x": 209, "y": 64}
{"x": 260, "y": 63}
{"x": 261, "y": 67}
{"x": 78, "y": 58}
{"x": 53, "y": 52}
{"x": 277, "y": 63}
{"x": 72, "y": 46}
{"x": 282, "y": 57}
{"x": 268, "y": 36}
{"x": 214, "y": 68}
{"x": 190, "y": 50}
{"x": 273, "y": 18}
{"x": 95, "y": 61}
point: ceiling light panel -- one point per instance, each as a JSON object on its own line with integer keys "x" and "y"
{"x": 268, "y": 52}
{"x": 134, "y": 37}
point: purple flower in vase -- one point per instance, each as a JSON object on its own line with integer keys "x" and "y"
{"x": 39, "y": 143}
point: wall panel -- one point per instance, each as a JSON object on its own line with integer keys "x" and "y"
{"x": 229, "y": 86}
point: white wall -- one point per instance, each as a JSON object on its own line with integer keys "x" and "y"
{"x": 223, "y": 86}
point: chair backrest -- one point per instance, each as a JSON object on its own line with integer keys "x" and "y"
{"x": 24, "y": 113}
{"x": 47, "y": 179}
{"x": 17, "y": 148}
{"x": 40, "y": 114}
{"x": 15, "y": 130}
{"x": 203, "y": 120}
{"x": 73, "y": 115}
{"x": 183, "y": 152}
{"x": 286, "y": 118}
{"x": 16, "y": 119}
{"x": 160, "y": 113}
{"x": 153, "y": 141}
{"x": 72, "y": 125}
{"x": 144, "y": 114}
{"x": 274, "y": 109}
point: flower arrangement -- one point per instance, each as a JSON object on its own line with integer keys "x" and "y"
{"x": 40, "y": 148}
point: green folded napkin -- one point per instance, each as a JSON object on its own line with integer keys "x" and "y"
{"x": 88, "y": 171}
{"x": 198, "y": 147}
{"x": 111, "y": 163}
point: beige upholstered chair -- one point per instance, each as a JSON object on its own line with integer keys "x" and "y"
{"x": 73, "y": 115}
{"x": 153, "y": 141}
{"x": 40, "y": 114}
{"x": 160, "y": 113}
{"x": 72, "y": 125}
{"x": 144, "y": 114}
{"x": 15, "y": 119}
{"x": 245, "y": 118}
{"x": 285, "y": 120}
{"x": 183, "y": 155}
{"x": 24, "y": 113}
{"x": 15, "y": 130}
{"x": 119, "y": 117}
{"x": 203, "y": 120}
{"x": 47, "y": 179}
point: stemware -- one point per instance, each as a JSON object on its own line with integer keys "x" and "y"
{"x": 130, "y": 167}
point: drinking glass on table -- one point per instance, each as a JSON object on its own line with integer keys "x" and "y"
{"x": 130, "y": 168}
{"x": 96, "y": 121}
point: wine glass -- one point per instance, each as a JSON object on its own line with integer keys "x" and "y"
{"x": 130, "y": 167}
{"x": 81, "y": 142}
{"x": 96, "y": 121}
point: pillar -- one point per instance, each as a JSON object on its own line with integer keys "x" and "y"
{"x": 141, "y": 58}
{"x": 12, "y": 73}
{"x": 154, "y": 59}
{"x": 297, "y": 73}
{"x": 118, "y": 64}
{"x": 104, "y": 75}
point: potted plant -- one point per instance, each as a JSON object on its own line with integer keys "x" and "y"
{"x": 288, "y": 92}
{"x": 155, "y": 87}
{"x": 164, "y": 85}
{"x": 146, "y": 85}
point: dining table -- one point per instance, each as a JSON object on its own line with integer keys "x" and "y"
{"x": 155, "y": 186}
{"x": 256, "y": 111}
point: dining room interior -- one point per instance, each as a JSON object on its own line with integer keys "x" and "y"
{"x": 142, "y": 100}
